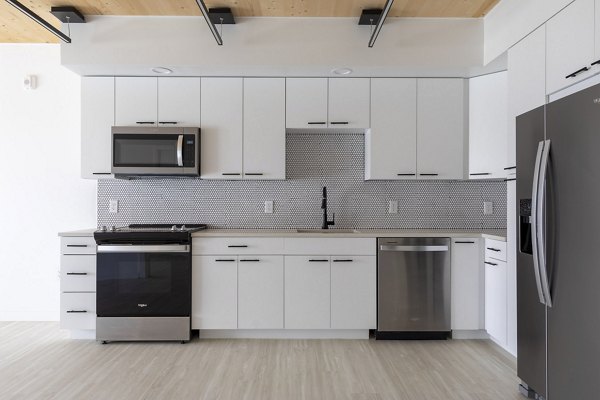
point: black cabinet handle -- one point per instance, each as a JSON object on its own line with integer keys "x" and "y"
{"x": 317, "y": 123}
{"x": 574, "y": 74}
{"x": 490, "y": 263}
{"x": 225, "y": 260}
{"x": 250, "y": 260}
{"x": 510, "y": 180}
{"x": 406, "y": 174}
{"x": 493, "y": 249}
{"x": 145, "y": 122}
{"x": 339, "y": 123}
{"x": 508, "y": 168}
{"x": 348, "y": 260}
{"x": 100, "y": 173}
{"x": 76, "y": 311}
{"x": 76, "y": 273}
{"x": 254, "y": 173}
{"x": 465, "y": 242}
{"x": 237, "y": 246}
{"x": 429, "y": 174}
{"x": 77, "y": 245}
{"x": 167, "y": 122}
{"x": 230, "y": 174}
{"x": 596, "y": 62}
{"x": 314, "y": 260}
{"x": 480, "y": 173}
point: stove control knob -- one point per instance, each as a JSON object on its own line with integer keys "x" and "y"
{"x": 182, "y": 228}
{"x": 113, "y": 228}
{"x": 174, "y": 228}
{"x": 103, "y": 229}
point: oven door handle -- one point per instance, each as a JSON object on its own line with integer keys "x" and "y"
{"x": 158, "y": 248}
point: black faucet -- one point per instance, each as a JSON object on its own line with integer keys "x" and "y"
{"x": 326, "y": 222}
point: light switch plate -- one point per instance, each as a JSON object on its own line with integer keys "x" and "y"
{"x": 113, "y": 206}
{"x": 488, "y": 208}
{"x": 393, "y": 207}
{"x": 269, "y": 207}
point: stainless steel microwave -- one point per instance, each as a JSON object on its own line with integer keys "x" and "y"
{"x": 155, "y": 151}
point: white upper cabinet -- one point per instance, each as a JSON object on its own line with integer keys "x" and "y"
{"x": 306, "y": 102}
{"x": 349, "y": 102}
{"x": 179, "y": 101}
{"x": 97, "y": 117}
{"x": 440, "y": 128}
{"x": 136, "y": 101}
{"x": 264, "y": 128}
{"x": 391, "y": 143}
{"x": 221, "y": 128}
{"x": 526, "y": 85}
{"x": 488, "y": 97}
{"x": 570, "y": 45}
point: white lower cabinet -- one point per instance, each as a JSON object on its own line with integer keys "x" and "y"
{"x": 467, "y": 281}
{"x": 496, "y": 300}
{"x": 260, "y": 292}
{"x": 353, "y": 292}
{"x": 78, "y": 311}
{"x": 214, "y": 292}
{"x": 307, "y": 292}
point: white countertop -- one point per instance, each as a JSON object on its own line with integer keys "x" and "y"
{"x": 454, "y": 233}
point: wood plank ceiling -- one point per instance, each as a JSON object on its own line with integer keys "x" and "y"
{"x": 18, "y": 28}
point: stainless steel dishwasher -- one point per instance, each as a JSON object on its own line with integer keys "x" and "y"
{"x": 413, "y": 288}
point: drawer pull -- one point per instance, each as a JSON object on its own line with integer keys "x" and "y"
{"x": 406, "y": 174}
{"x": 237, "y": 246}
{"x": 230, "y": 174}
{"x": 596, "y": 62}
{"x": 346, "y": 260}
{"x": 509, "y": 168}
{"x": 77, "y": 245}
{"x": 77, "y": 273}
{"x": 493, "y": 249}
{"x": 225, "y": 260}
{"x": 76, "y": 311}
{"x": 314, "y": 260}
{"x": 480, "y": 173}
{"x": 510, "y": 180}
{"x": 144, "y": 122}
{"x": 339, "y": 123}
{"x": 167, "y": 122}
{"x": 574, "y": 74}
{"x": 250, "y": 260}
{"x": 429, "y": 174}
{"x": 464, "y": 242}
{"x": 254, "y": 173}
{"x": 490, "y": 263}
{"x": 100, "y": 173}
{"x": 317, "y": 123}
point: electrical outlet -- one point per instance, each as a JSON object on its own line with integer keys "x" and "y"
{"x": 269, "y": 207}
{"x": 488, "y": 208}
{"x": 393, "y": 207}
{"x": 113, "y": 206}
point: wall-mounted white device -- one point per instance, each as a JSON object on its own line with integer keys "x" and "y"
{"x": 30, "y": 82}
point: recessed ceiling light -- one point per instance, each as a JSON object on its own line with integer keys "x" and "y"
{"x": 162, "y": 70}
{"x": 342, "y": 71}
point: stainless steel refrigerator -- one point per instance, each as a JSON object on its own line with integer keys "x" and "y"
{"x": 558, "y": 256}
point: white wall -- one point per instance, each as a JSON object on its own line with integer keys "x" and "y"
{"x": 41, "y": 192}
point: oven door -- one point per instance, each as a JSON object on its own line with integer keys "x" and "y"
{"x": 143, "y": 281}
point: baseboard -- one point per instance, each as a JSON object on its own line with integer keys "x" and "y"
{"x": 83, "y": 334}
{"x": 284, "y": 334}
{"x": 479, "y": 334}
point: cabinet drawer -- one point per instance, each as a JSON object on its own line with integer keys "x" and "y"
{"x": 327, "y": 246}
{"x": 78, "y": 245}
{"x": 78, "y": 310}
{"x": 495, "y": 249}
{"x": 237, "y": 245}
{"x": 78, "y": 273}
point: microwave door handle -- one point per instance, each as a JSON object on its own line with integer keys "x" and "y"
{"x": 180, "y": 151}
{"x": 541, "y": 219}
{"x": 535, "y": 222}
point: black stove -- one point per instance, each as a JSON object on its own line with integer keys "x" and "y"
{"x": 147, "y": 234}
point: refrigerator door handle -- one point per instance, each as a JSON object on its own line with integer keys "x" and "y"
{"x": 534, "y": 221}
{"x": 541, "y": 219}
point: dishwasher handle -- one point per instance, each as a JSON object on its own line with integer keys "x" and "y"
{"x": 387, "y": 247}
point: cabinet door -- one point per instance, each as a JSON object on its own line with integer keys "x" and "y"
{"x": 467, "y": 284}
{"x": 349, "y": 102}
{"x": 495, "y": 300}
{"x": 526, "y": 85}
{"x": 221, "y": 128}
{"x": 306, "y": 102}
{"x": 569, "y": 45}
{"x": 440, "y": 128}
{"x": 307, "y": 292}
{"x": 488, "y": 97}
{"x": 179, "y": 101}
{"x": 136, "y": 101}
{"x": 214, "y": 292}
{"x": 353, "y": 292}
{"x": 391, "y": 143}
{"x": 97, "y": 117}
{"x": 260, "y": 292}
{"x": 264, "y": 128}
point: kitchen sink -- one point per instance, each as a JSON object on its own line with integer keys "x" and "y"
{"x": 338, "y": 231}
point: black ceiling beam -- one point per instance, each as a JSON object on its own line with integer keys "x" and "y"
{"x": 39, "y": 20}
{"x": 380, "y": 21}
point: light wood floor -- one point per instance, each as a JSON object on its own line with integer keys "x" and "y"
{"x": 38, "y": 361}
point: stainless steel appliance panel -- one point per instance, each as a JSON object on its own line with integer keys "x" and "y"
{"x": 413, "y": 283}
{"x": 143, "y": 328}
{"x": 573, "y": 223}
